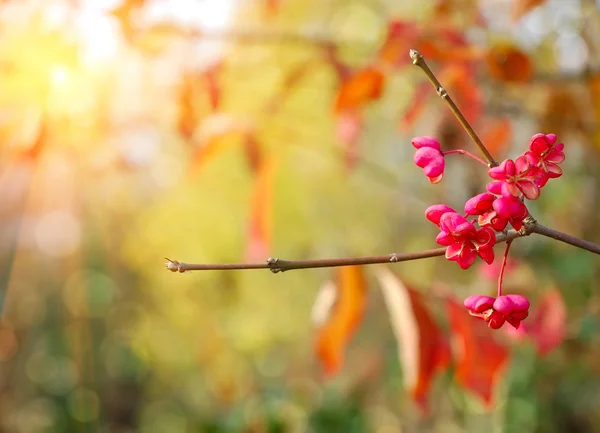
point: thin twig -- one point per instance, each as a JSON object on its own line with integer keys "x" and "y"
{"x": 563, "y": 237}
{"x": 419, "y": 61}
{"x": 465, "y": 153}
{"x": 502, "y": 268}
{"x": 278, "y": 265}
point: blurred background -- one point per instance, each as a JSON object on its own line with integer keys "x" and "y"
{"x": 216, "y": 131}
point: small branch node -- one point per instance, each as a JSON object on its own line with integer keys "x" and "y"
{"x": 442, "y": 92}
{"x": 272, "y": 262}
{"x": 394, "y": 258}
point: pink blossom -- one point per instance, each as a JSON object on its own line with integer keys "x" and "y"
{"x": 545, "y": 156}
{"x": 495, "y": 311}
{"x": 435, "y": 212}
{"x": 464, "y": 241}
{"x": 512, "y": 178}
{"x": 497, "y": 212}
{"x": 429, "y": 157}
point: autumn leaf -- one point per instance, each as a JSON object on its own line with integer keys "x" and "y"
{"x": 522, "y": 7}
{"x": 213, "y": 88}
{"x": 271, "y": 7}
{"x": 261, "y": 209}
{"x": 187, "y": 116}
{"x": 548, "y": 324}
{"x": 417, "y": 106}
{"x": 364, "y": 86}
{"x": 495, "y": 134}
{"x": 217, "y": 133}
{"x": 509, "y": 64}
{"x": 562, "y": 111}
{"x": 594, "y": 88}
{"x": 448, "y": 45}
{"x": 349, "y": 127}
{"x": 401, "y": 37}
{"x": 338, "y": 310}
{"x": 123, "y": 14}
{"x": 462, "y": 86}
{"x": 480, "y": 360}
{"x": 422, "y": 349}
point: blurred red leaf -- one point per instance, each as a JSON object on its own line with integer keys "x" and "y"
{"x": 448, "y": 45}
{"x": 187, "y": 116}
{"x": 479, "y": 359}
{"x": 422, "y": 348}
{"x": 460, "y": 82}
{"x": 364, "y": 86}
{"x": 417, "y": 106}
{"x": 332, "y": 57}
{"x": 211, "y": 79}
{"x": 218, "y": 132}
{"x": 347, "y": 307}
{"x": 349, "y": 127}
{"x": 521, "y": 7}
{"x": 547, "y": 327}
{"x": 253, "y": 152}
{"x": 401, "y": 37}
{"x": 495, "y": 134}
{"x": 290, "y": 82}
{"x": 271, "y": 6}
{"x": 261, "y": 206}
{"x": 508, "y": 63}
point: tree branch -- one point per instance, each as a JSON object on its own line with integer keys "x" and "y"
{"x": 419, "y": 61}
{"x": 563, "y": 237}
{"x": 278, "y": 265}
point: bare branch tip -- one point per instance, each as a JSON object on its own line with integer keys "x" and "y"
{"x": 415, "y": 56}
{"x": 172, "y": 265}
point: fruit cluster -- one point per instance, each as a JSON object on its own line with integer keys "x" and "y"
{"x": 473, "y": 234}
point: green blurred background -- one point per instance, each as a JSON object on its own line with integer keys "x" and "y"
{"x": 120, "y": 144}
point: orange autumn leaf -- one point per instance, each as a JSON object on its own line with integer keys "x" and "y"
{"x": 507, "y": 63}
{"x": 213, "y": 87}
{"x": 217, "y": 133}
{"x": 522, "y": 7}
{"x": 401, "y": 37}
{"x": 480, "y": 360}
{"x": 422, "y": 349}
{"x": 594, "y": 89}
{"x": 261, "y": 208}
{"x": 495, "y": 134}
{"x": 339, "y": 308}
{"x": 462, "y": 87}
{"x": 364, "y": 86}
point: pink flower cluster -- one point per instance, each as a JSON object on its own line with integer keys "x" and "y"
{"x": 495, "y": 311}
{"x": 502, "y": 204}
{"x": 463, "y": 240}
{"x": 513, "y": 181}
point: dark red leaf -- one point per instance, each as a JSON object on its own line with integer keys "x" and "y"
{"x": 480, "y": 360}
{"x": 422, "y": 349}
